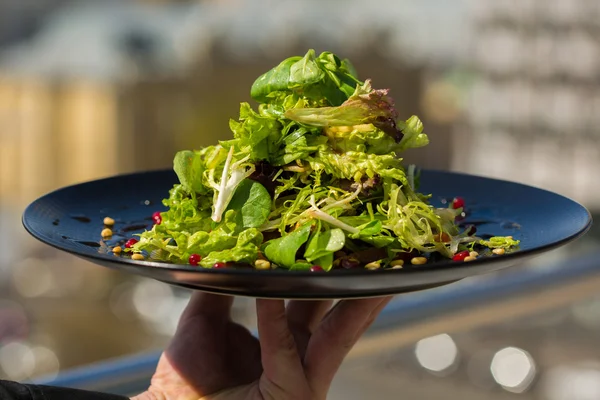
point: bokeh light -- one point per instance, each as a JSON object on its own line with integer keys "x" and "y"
{"x": 513, "y": 369}
{"x": 437, "y": 354}
{"x": 17, "y": 360}
{"x": 572, "y": 382}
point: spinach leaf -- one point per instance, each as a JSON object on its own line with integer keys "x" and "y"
{"x": 252, "y": 202}
{"x": 282, "y": 251}
{"x": 275, "y": 80}
{"x": 323, "y": 243}
{"x": 323, "y": 79}
{"x": 371, "y": 233}
{"x": 325, "y": 262}
{"x": 305, "y": 71}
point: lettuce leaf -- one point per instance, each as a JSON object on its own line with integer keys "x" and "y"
{"x": 364, "y": 106}
{"x": 322, "y": 80}
{"x": 282, "y": 251}
{"x": 252, "y": 203}
{"x": 413, "y": 134}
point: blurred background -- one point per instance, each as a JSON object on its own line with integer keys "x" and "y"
{"x": 88, "y": 89}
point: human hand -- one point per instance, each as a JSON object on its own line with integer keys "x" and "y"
{"x": 300, "y": 350}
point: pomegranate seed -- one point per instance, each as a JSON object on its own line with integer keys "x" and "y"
{"x": 219, "y": 265}
{"x": 460, "y": 256}
{"x": 130, "y": 243}
{"x": 195, "y": 259}
{"x": 157, "y": 218}
{"x": 316, "y": 268}
{"x": 458, "y": 202}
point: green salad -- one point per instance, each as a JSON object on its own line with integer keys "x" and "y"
{"x": 311, "y": 180}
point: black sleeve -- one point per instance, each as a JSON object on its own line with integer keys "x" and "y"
{"x": 17, "y": 391}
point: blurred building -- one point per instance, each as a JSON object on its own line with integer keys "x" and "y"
{"x": 534, "y": 107}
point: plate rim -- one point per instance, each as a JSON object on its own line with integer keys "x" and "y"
{"x": 108, "y": 257}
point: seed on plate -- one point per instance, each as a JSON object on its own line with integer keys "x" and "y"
{"x": 130, "y": 243}
{"x": 106, "y": 232}
{"x": 474, "y": 254}
{"x": 316, "y": 268}
{"x": 137, "y": 256}
{"x": 460, "y": 256}
{"x": 509, "y": 237}
{"x": 499, "y": 251}
{"x": 262, "y": 264}
{"x": 458, "y": 202}
{"x": 373, "y": 265}
{"x": 117, "y": 249}
{"x": 397, "y": 263}
{"x": 467, "y": 259}
{"x": 418, "y": 260}
{"x": 194, "y": 259}
{"x": 109, "y": 221}
{"x": 219, "y": 265}
{"x": 157, "y": 218}
{"x": 397, "y": 267}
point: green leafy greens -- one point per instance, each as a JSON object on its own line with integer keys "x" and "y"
{"x": 311, "y": 175}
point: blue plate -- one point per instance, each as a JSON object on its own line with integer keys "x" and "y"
{"x": 71, "y": 219}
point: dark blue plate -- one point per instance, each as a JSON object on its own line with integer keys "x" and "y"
{"x": 70, "y": 219}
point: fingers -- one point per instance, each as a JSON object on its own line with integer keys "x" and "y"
{"x": 208, "y": 305}
{"x": 280, "y": 360}
{"x": 338, "y": 333}
{"x": 303, "y": 318}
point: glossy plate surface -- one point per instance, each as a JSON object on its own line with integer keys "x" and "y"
{"x": 71, "y": 219}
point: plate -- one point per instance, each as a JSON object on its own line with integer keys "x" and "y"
{"x": 71, "y": 219}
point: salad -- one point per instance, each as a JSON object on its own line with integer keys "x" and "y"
{"x": 311, "y": 180}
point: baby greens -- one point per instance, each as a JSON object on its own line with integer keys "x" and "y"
{"x": 312, "y": 176}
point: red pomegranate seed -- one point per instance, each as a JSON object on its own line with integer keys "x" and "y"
{"x": 460, "y": 256}
{"x": 195, "y": 259}
{"x": 156, "y": 217}
{"x": 219, "y": 265}
{"x": 130, "y": 243}
{"x": 458, "y": 202}
{"x": 316, "y": 268}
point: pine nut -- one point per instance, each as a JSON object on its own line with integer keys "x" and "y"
{"x": 373, "y": 265}
{"x": 262, "y": 264}
{"x": 418, "y": 260}
{"x": 109, "y": 221}
{"x": 397, "y": 263}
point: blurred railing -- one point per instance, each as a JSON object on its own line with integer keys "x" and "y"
{"x": 409, "y": 318}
